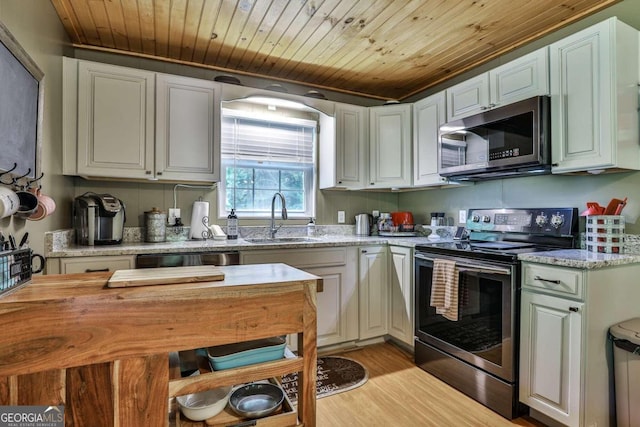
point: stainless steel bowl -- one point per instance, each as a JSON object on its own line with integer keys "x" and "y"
{"x": 256, "y": 400}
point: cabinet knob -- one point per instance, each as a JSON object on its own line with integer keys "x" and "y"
{"x": 158, "y": 173}
{"x": 339, "y": 182}
{"x": 574, "y": 309}
{"x": 364, "y": 251}
{"x": 147, "y": 172}
{"x": 492, "y": 105}
{"x": 484, "y": 108}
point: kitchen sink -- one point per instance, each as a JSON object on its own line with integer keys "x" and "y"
{"x": 281, "y": 240}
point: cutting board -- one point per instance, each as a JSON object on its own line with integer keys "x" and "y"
{"x": 164, "y": 276}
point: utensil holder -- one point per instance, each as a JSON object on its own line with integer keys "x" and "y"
{"x": 15, "y": 270}
{"x": 605, "y": 234}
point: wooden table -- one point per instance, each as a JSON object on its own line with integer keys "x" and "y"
{"x": 104, "y": 352}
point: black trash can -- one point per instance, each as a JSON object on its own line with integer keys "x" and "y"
{"x": 626, "y": 357}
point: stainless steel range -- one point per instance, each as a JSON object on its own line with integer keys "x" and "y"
{"x": 477, "y": 351}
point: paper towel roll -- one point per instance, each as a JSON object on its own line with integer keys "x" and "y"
{"x": 198, "y": 227}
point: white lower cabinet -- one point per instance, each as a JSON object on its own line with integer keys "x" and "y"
{"x": 401, "y": 294}
{"x": 551, "y": 351}
{"x": 90, "y": 264}
{"x": 566, "y": 359}
{"x": 373, "y": 292}
{"x": 337, "y": 301}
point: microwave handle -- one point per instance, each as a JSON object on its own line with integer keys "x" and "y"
{"x": 471, "y": 268}
{"x": 91, "y": 224}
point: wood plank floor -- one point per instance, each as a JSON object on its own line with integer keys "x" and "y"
{"x": 398, "y": 393}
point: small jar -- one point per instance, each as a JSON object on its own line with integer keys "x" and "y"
{"x": 155, "y": 223}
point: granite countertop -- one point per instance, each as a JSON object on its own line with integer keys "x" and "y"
{"x": 59, "y": 244}
{"x": 580, "y": 258}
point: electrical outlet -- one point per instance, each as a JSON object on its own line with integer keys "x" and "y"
{"x": 340, "y": 217}
{"x": 173, "y": 214}
{"x": 376, "y": 213}
{"x": 462, "y": 216}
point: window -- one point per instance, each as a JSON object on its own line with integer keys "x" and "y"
{"x": 262, "y": 155}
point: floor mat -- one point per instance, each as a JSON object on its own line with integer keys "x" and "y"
{"x": 335, "y": 375}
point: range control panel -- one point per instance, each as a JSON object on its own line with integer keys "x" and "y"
{"x": 549, "y": 221}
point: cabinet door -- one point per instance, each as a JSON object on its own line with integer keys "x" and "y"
{"x": 428, "y": 115}
{"x": 581, "y": 100}
{"x": 520, "y": 79}
{"x": 115, "y": 121}
{"x": 594, "y": 122}
{"x": 390, "y": 146}
{"x": 373, "y": 292}
{"x": 351, "y": 146}
{"x": 337, "y": 305}
{"x": 187, "y": 129}
{"x": 401, "y": 294}
{"x": 551, "y": 356}
{"x": 467, "y": 98}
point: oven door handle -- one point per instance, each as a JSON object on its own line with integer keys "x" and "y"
{"x": 471, "y": 268}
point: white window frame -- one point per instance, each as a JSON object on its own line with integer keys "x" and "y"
{"x": 310, "y": 172}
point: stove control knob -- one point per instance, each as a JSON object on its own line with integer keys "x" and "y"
{"x": 541, "y": 220}
{"x": 557, "y": 220}
{"x": 486, "y": 218}
{"x": 475, "y": 218}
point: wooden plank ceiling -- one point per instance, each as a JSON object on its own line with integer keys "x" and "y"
{"x": 382, "y": 49}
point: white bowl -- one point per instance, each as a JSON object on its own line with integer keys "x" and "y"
{"x": 204, "y": 405}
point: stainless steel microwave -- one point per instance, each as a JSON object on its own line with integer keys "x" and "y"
{"x": 512, "y": 140}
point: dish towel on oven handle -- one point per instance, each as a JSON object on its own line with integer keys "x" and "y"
{"x": 444, "y": 288}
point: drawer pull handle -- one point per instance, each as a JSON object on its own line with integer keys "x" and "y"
{"x": 574, "y": 309}
{"x": 96, "y": 270}
{"x": 555, "y": 282}
{"x": 320, "y": 286}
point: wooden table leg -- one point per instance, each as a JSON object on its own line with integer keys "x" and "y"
{"x": 307, "y": 342}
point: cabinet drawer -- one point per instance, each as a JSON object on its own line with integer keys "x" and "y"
{"x": 299, "y": 258}
{"x": 553, "y": 280}
{"x": 93, "y": 264}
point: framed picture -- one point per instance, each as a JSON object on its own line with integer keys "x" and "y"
{"x": 21, "y": 104}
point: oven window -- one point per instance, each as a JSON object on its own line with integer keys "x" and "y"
{"x": 479, "y": 329}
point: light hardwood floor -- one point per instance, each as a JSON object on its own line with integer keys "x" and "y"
{"x": 398, "y": 393}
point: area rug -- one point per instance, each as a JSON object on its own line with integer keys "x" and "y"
{"x": 335, "y": 375}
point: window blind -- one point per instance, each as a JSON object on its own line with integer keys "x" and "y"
{"x": 246, "y": 138}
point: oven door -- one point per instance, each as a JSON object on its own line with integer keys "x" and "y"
{"x": 485, "y": 333}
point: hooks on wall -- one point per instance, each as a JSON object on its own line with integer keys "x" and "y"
{"x": 15, "y": 179}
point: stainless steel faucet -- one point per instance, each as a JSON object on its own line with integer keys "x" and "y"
{"x": 273, "y": 229}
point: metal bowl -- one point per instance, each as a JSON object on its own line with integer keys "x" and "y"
{"x": 256, "y": 400}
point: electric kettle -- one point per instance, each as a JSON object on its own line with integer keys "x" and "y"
{"x": 363, "y": 224}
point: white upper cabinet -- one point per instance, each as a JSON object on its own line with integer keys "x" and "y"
{"x": 133, "y": 124}
{"x": 390, "y": 146}
{"x": 343, "y": 148}
{"x": 594, "y": 99}
{"x": 428, "y": 115}
{"x": 187, "y": 128}
{"x": 519, "y": 79}
{"x": 115, "y": 121}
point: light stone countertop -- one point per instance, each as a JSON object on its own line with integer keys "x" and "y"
{"x": 59, "y": 244}
{"x": 580, "y": 258}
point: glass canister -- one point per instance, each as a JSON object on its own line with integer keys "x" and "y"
{"x": 155, "y": 223}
